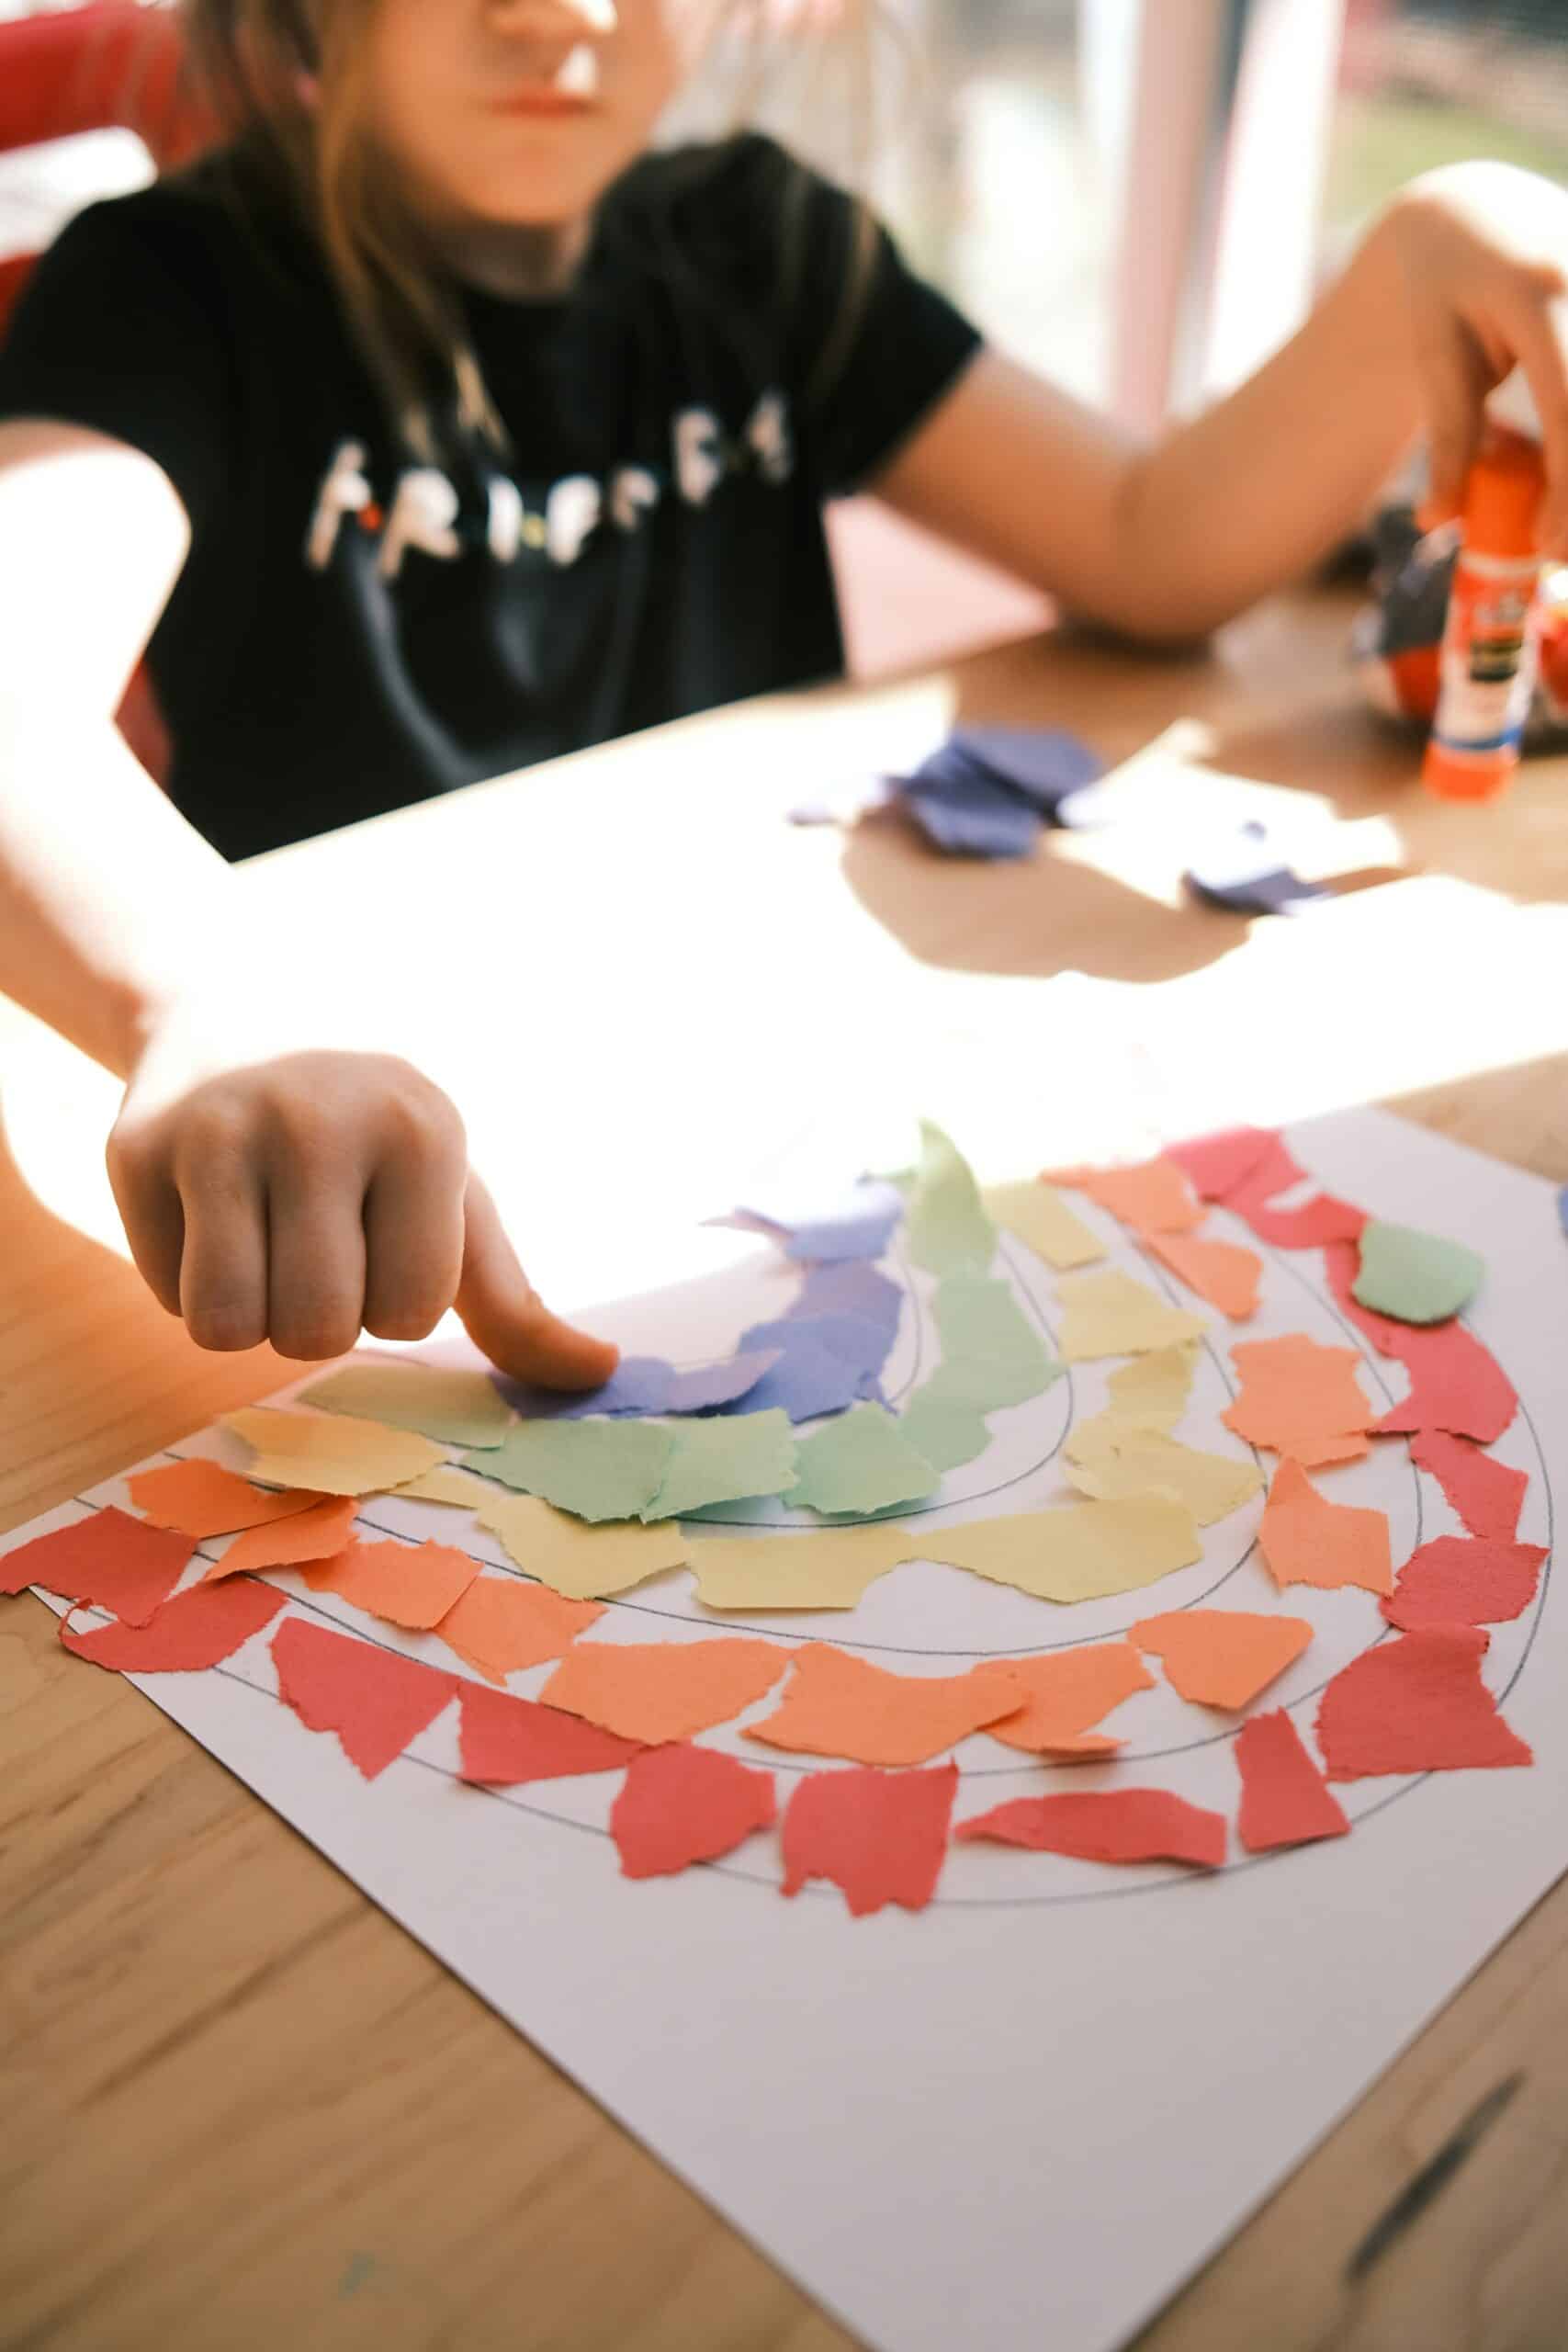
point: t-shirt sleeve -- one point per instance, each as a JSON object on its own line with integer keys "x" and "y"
{"x": 875, "y": 346}
{"x": 116, "y": 332}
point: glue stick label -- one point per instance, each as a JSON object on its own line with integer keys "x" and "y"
{"x": 1489, "y": 653}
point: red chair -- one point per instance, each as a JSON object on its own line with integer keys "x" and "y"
{"x": 112, "y": 64}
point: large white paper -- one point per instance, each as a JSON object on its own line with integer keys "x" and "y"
{"x": 1025, "y": 2116}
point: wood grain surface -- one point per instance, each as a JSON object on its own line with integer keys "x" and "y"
{"x": 238, "y": 2108}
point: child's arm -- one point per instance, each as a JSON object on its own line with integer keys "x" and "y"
{"x": 1454, "y": 284}
{"x": 269, "y": 1189}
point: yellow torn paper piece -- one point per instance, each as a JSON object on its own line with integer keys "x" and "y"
{"x": 447, "y": 1484}
{"x": 573, "y": 1557}
{"x": 830, "y": 1570}
{"x": 332, "y": 1453}
{"x": 1110, "y": 1314}
{"x": 1077, "y": 1552}
{"x": 458, "y": 1407}
{"x": 1113, "y": 1460}
{"x": 1038, "y": 1215}
{"x": 1152, "y": 1393}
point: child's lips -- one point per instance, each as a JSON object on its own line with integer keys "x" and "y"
{"x": 544, "y": 99}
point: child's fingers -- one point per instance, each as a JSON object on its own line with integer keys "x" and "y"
{"x": 1536, "y": 340}
{"x": 315, "y": 1263}
{"x": 1454, "y": 383}
{"x": 150, "y": 1210}
{"x": 413, "y": 1240}
{"x": 504, "y": 1315}
{"x": 223, "y": 1271}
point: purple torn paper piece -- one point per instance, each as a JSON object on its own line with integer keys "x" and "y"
{"x": 812, "y": 1377}
{"x": 856, "y": 1287}
{"x": 1242, "y": 876}
{"x": 1047, "y": 765}
{"x": 962, "y": 810}
{"x": 859, "y": 1224}
{"x": 649, "y": 1384}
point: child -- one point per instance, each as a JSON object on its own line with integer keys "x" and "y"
{"x": 433, "y": 427}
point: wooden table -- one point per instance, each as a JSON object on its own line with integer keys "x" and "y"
{"x": 240, "y": 2108}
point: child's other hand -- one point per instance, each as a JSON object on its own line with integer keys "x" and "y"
{"x": 298, "y": 1198}
{"x": 1484, "y": 252}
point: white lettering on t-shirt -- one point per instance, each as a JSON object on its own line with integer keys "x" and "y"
{"x": 699, "y": 454}
{"x": 633, "y": 492}
{"x": 424, "y": 507}
{"x": 769, "y": 435}
{"x": 571, "y": 512}
{"x": 344, "y": 491}
{"x": 503, "y": 522}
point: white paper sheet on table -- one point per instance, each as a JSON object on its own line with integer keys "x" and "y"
{"x": 1028, "y": 2114}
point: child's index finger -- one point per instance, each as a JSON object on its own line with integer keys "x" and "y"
{"x": 504, "y": 1315}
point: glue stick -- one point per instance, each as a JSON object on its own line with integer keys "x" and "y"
{"x": 1490, "y": 639}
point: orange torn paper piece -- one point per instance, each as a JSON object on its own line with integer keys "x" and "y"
{"x": 657, "y": 1692}
{"x": 375, "y": 1700}
{"x": 202, "y": 1498}
{"x": 499, "y": 1627}
{"x": 1114, "y": 1462}
{"x": 121, "y": 1563}
{"x": 408, "y": 1584}
{"x": 835, "y": 1704}
{"x": 1110, "y": 1314}
{"x": 1037, "y": 1214}
{"x": 318, "y": 1533}
{"x": 1285, "y": 1800}
{"x": 1108, "y": 1825}
{"x": 1064, "y": 1693}
{"x": 830, "y": 1569}
{"x": 1153, "y": 1197}
{"x": 196, "y": 1629}
{"x": 880, "y": 1836}
{"x": 1221, "y": 1657}
{"x": 1224, "y": 1272}
{"x": 1073, "y": 1552}
{"x": 680, "y": 1805}
{"x": 331, "y": 1452}
{"x": 583, "y": 1560}
{"x": 1300, "y": 1399}
{"x": 1308, "y": 1540}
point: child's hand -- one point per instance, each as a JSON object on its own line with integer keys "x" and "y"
{"x": 299, "y": 1197}
{"x": 1483, "y": 251}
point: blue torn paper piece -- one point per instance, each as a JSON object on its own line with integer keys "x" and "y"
{"x": 988, "y": 791}
{"x": 1047, "y": 765}
{"x": 642, "y": 1384}
{"x": 812, "y": 1376}
{"x": 859, "y": 1224}
{"x": 1242, "y": 876}
{"x": 1563, "y": 1211}
{"x": 854, "y": 1288}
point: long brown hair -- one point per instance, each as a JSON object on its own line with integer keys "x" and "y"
{"x": 286, "y": 79}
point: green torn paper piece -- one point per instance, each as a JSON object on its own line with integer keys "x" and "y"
{"x": 943, "y": 1425}
{"x": 458, "y": 1407}
{"x": 725, "y": 1461}
{"x": 991, "y": 1353}
{"x": 860, "y": 1463}
{"x": 945, "y": 1225}
{"x": 593, "y": 1469}
{"x": 1415, "y": 1277}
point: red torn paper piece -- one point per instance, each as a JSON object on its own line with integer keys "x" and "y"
{"x": 408, "y": 1584}
{"x": 319, "y": 1533}
{"x": 679, "y": 1805}
{"x": 1456, "y": 1384}
{"x": 374, "y": 1700}
{"x": 658, "y": 1692}
{"x": 1110, "y": 1826}
{"x": 1300, "y": 1399}
{"x": 1321, "y": 1219}
{"x": 880, "y": 1836}
{"x": 1065, "y": 1692}
{"x": 1216, "y": 1165}
{"x": 1222, "y": 1272}
{"x": 1285, "y": 1800}
{"x": 1416, "y": 1705}
{"x": 1221, "y": 1657}
{"x": 200, "y": 1497}
{"x": 500, "y": 1626}
{"x": 1487, "y": 1496}
{"x": 1151, "y": 1198}
{"x": 1308, "y": 1540}
{"x": 838, "y": 1704}
{"x": 504, "y": 1738}
{"x": 198, "y": 1628}
{"x": 121, "y": 1563}
{"x": 1465, "y": 1580}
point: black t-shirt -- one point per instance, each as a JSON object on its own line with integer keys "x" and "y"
{"x": 353, "y": 631}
